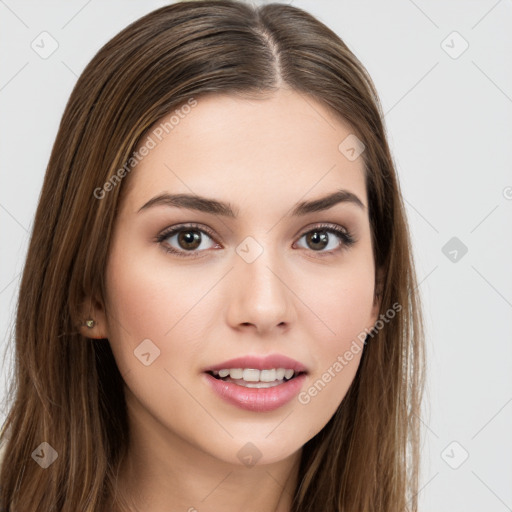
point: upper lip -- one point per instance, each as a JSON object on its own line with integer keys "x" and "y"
{"x": 259, "y": 363}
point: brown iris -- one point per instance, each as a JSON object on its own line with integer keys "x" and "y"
{"x": 316, "y": 238}
{"x": 189, "y": 237}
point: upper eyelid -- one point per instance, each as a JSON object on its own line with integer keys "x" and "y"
{"x": 171, "y": 230}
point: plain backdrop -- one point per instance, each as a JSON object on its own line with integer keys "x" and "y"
{"x": 443, "y": 73}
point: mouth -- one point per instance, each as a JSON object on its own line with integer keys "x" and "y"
{"x": 256, "y": 390}
{"x": 255, "y": 378}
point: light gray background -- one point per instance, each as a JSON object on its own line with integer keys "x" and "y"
{"x": 449, "y": 122}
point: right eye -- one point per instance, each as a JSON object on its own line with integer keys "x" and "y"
{"x": 187, "y": 237}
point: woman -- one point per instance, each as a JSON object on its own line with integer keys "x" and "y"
{"x": 218, "y": 309}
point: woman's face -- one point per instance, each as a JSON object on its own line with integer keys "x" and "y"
{"x": 269, "y": 277}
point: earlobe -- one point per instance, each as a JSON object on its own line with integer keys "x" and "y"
{"x": 90, "y": 329}
{"x": 93, "y": 324}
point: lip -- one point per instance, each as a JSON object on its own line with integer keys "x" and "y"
{"x": 256, "y": 399}
{"x": 260, "y": 363}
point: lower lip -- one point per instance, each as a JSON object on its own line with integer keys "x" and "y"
{"x": 257, "y": 399}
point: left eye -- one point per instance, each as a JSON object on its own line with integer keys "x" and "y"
{"x": 319, "y": 238}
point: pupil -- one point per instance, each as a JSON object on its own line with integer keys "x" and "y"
{"x": 190, "y": 237}
{"x": 321, "y": 239}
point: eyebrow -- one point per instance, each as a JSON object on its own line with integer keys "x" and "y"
{"x": 213, "y": 206}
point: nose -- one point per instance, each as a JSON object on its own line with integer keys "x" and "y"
{"x": 260, "y": 295}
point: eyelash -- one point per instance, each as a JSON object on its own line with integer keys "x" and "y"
{"x": 347, "y": 239}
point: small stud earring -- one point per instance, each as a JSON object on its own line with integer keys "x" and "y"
{"x": 90, "y": 323}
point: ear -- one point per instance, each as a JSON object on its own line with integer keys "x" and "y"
{"x": 95, "y": 311}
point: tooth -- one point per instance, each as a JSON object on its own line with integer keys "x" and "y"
{"x": 236, "y": 373}
{"x": 255, "y": 375}
{"x": 289, "y": 374}
{"x": 268, "y": 375}
{"x": 250, "y": 375}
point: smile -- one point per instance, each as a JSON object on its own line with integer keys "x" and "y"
{"x": 254, "y": 378}
{"x": 256, "y": 390}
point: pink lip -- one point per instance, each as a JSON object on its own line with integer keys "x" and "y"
{"x": 260, "y": 363}
{"x": 256, "y": 399}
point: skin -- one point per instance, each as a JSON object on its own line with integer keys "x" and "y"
{"x": 262, "y": 156}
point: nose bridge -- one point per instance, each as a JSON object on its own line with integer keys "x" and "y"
{"x": 259, "y": 261}
{"x": 260, "y": 289}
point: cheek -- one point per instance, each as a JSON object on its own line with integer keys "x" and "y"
{"x": 348, "y": 307}
{"x": 343, "y": 302}
{"x": 146, "y": 298}
{"x": 152, "y": 299}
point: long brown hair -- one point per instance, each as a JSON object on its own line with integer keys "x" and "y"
{"x": 67, "y": 390}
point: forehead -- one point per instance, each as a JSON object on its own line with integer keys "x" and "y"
{"x": 284, "y": 145}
